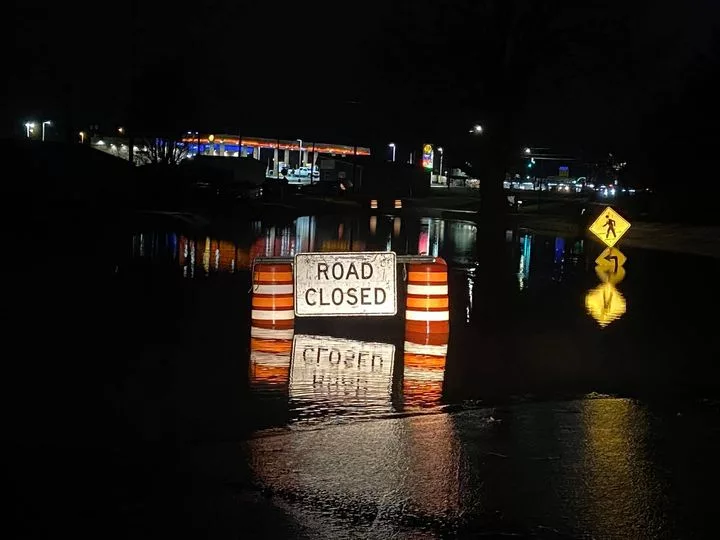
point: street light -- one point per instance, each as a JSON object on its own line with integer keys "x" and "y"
{"x": 528, "y": 151}
{"x": 121, "y": 130}
{"x": 477, "y": 129}
{"x": 392, "y": 145}
{"x": 82, "y": 137}
{"x": 29, "y": 126}
{"x": 440, "y": 149}
{"x": 46, "y": 122}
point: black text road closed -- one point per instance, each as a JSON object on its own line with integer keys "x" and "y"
{"x": 344, "y": 284}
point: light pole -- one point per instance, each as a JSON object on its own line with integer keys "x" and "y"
{"x": 82, "y": 137}
{"x": 46, "y": 122}
{"x": 440, "y": 149}
{"x": 299, "y": 153}
{"x": 392, "y": 145}
{"x": 29, "y": 126}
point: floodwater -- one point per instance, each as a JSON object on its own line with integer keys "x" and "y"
{"x": 566, "y": 401}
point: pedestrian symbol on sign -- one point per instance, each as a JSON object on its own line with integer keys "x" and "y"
{"x": 610, "y": 224}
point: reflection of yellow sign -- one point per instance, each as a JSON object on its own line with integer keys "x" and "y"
{"x": 611, "y": 258}
{"x": 609, "y": 227}
{"x": 608, "y": 275}
{"x": 605, "y": 303}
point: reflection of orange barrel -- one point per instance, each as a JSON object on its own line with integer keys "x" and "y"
{"x": 424, "y": 368}
{"x": 272, "y": 300}
{"x": 270, "y": 356}
{"x": 427, "y": 300}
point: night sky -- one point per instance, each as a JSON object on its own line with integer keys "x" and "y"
{"x": 591, "y": 76}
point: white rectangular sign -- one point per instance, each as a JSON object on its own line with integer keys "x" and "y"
{"x": 345, "y": 284}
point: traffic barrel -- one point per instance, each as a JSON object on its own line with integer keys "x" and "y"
{"x": 270, "y": 351}
{"x": 427, "y": 302}
{"x": 398, "y": 204}
{"x": 272, "y": 298}
{"x": 373, "y": 204}
{"x": 424, "y": 368}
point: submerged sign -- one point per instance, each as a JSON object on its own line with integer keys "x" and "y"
{"x": 345, "y": 284}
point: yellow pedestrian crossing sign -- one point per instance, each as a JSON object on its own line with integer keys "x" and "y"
{"x": 611, "y": 258}
{"x": 610, "y": 227}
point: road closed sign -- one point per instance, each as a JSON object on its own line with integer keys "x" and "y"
{"x": 345, "y": 284}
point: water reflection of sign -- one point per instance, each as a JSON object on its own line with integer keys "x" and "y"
{"x": 345, "y": 284}
{"x": 611, "y": 258}
{"x": 341, "y": 372}
{"x": 428, "y": 155}
{"x": 609, "y": 275}
{"x": 609, "y": 227}
{"x": 605, "y": 303}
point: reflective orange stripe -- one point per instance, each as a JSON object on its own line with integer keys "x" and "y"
{"x": 272, "y": 301}
{"x": 270, "y": 345}
{"x": 424, "y": 361}
{"x": 427, "y": 327}
{"x": 428, "y": 303}
{"x": 427, "y": 277}
{"x": 282, "y": 324}
{"x": 273, "y": 277}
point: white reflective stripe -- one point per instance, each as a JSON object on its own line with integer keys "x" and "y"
{"x": 428, "y": 290}
{"x": 418, "y": 374}
{"x": 272, "y": 289}
{"x": 429, "y": 350}
{"x": 279, "y": 315}
{"x": 270, "y": 359}
{"x": 271, "y": 333}
{"x": 411, "y": 315}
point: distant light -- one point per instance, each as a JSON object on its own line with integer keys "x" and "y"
{"x": 528, "y": 151}
{"x": 121, "y": 130}
{"x": 477, "y": 129}
{"x": 211, "y": 138}
{"x": 440, "y": 149}
{"x": 391, "y": 145}
{"x": 100, "y": 143}
{"x": 29, "y": 125}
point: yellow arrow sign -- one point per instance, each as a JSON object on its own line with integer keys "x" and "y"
{"x": 611, "y": 258}
{"x": 608, "y": 275}
{"x": 609, "y": 227}
{"x": 605, "y": 304}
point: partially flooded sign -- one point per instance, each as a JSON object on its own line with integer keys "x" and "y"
{"x": 345, "y": 284}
